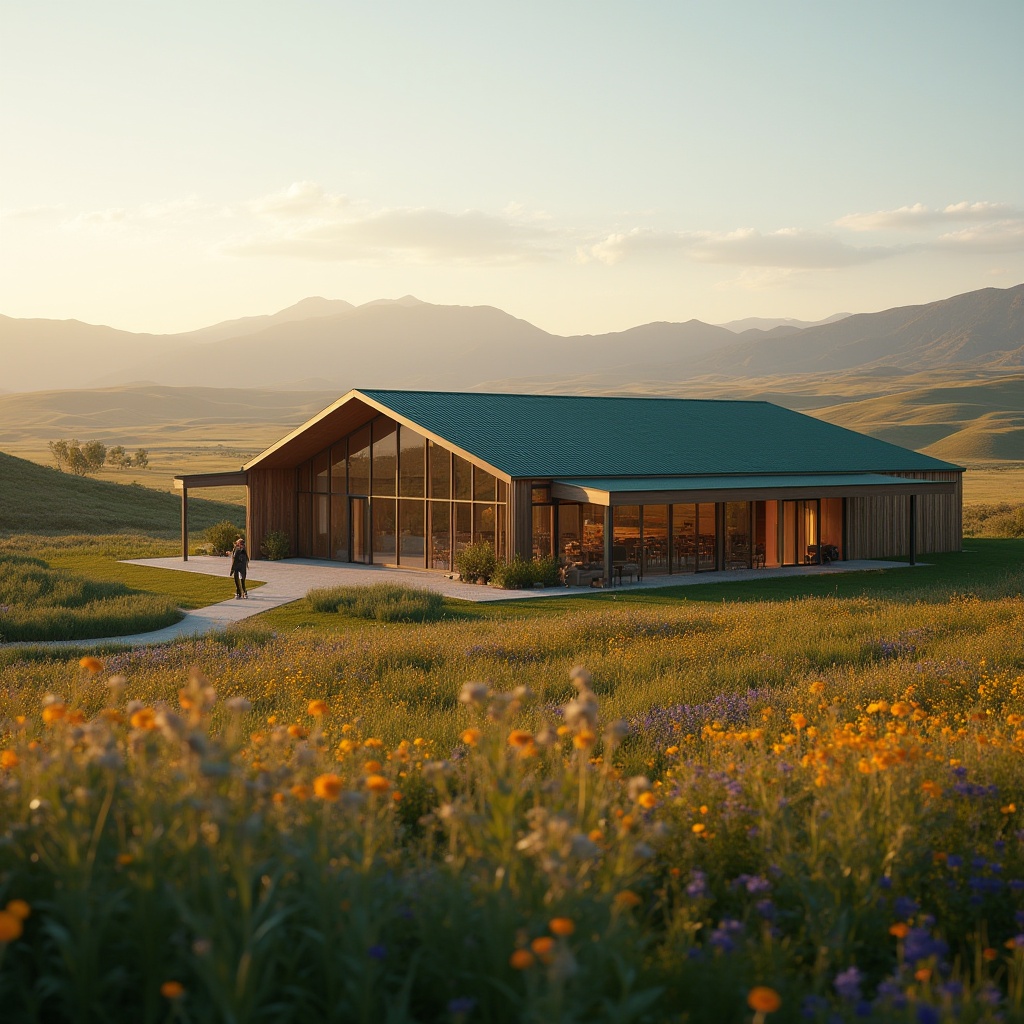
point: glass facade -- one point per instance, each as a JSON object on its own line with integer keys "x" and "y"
{"x": 387, "y": 495}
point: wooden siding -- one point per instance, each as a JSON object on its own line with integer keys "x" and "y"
{"x": 878, "y": 527}
{"x": 521, "y": 518}
{"x": 270, "y": 501}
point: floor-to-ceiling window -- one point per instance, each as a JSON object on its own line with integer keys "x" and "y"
{"x": 386, "y": 494}
{"x": 738, "y": 548}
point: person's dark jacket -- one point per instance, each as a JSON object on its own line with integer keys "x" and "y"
{"x": 239, "y": 561}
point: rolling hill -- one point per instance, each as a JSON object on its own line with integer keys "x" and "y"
{"x": 38, "y": 500}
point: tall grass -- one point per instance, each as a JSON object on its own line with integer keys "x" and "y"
{"x": 40, "y": 603}
{"x": 384, "y": 602}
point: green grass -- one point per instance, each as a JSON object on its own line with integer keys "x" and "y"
{"x": 42, "y": 500}
{"x": 39, "y": 602}
{"x": 382, "y": 602}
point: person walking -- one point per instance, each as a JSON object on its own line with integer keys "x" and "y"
{"x": 239, "y": 562}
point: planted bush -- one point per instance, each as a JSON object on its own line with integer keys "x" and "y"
{"x": 222, "y": 536}
{"x": 477, "y": 561}
{"x": 516, "y": 574}
{"x": 276, "y": 545}
{"x": 385, "y": 602}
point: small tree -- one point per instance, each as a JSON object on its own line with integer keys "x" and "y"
{"x": 59, "y": 451}
{"x": 118, "y": 457}
{"x": 141, "y": 458}
{"x": 76, "y": 459}
{"x": 95, "y": 454}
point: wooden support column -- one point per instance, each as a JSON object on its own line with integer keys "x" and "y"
{"x": 608, "y": 537}
{"x": 913, "y": 529}
{"x": 184, "y": 524}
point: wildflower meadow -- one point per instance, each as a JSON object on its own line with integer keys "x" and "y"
{"x": 800, "y": 810}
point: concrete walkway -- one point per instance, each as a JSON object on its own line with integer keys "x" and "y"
{"x": 291, "y": 580}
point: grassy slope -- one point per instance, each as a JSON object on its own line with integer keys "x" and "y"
{"x": 40, "y": 500}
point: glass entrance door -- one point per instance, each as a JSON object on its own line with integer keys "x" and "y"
{"x": 360, "y": 520}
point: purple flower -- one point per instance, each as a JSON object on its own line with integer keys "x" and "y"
{"x": 697, "y": 887}
{"x": 462, "y": 1005}
{"x": 377, "y": 952}
{"x": 927, "y": 1014}
{"x": 920, "y": 945}
{"x": 813, "y": 1005}
{"x": 723, "y": 936}
{"x": 847, "y": 984}
{"x": 905, "y": 907}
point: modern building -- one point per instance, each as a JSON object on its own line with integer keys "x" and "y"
{"x": 661, "y": 485}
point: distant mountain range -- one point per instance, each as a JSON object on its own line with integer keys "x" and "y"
{"x": 322, "y": 344}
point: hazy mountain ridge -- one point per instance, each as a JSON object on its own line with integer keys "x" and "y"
{"x": 408, "y": 343}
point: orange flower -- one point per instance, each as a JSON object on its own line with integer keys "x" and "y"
{"x": 20, "y": 909}
{"x": 899, "y": 930}
{"x": 297, "y": 732}
{"x": 521, "y": 959}
{"x": 172, "y": 990}
{"x": 562, "y": 926}
{"x": 124, "y": 859}
{"x": 377, "y": 784}
{"x": 144, "y": 718}
{"x": 373, "y": 743}
{"x": 91, "y": 664}
{"x": 327, "y": 787}
{"x": 799, "y": 722}
{"x": 817, "y": 687}
{"x": 627, "y": 899}
{"x": 9, "y": 759}
{"x": 698, "y": 828}
{"x": 300, "y": 792}
{"x": 762, "y": 999}
{"x": 922, "y": 973}
{"x": 10, "y": 926}
{"x": 647, "y": 800}
{"x": 989, "y": 953}
{"x": 471, "y": 737}
{"x": 583, "y": 739}
{"x": 519, "y": 738}
{"x": 318, "y": 708}
{"x": 371, "y": 767}
{"x": 54, "y": 713}
{"x": 543, "y": 945}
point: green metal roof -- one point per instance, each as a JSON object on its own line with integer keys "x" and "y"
{"x": 581, "y": 436}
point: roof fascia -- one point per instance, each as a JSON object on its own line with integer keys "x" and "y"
{"x": 597, "y": 496}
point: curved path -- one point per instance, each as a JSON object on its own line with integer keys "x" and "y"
{"x": 291, "y": 580}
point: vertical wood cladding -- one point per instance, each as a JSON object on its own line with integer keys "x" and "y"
{"x": 521, "y": 514}
{"x": 271, "y": 506}
{"x": 878, "y": 527}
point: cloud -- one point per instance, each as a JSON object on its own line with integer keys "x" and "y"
{"x": 413, "y": 235}
{"x": 787, "y": 248}
{"x": 919, "y": 215}
{"x": 300, "y": 199}
{"x": 1003, "y": 236}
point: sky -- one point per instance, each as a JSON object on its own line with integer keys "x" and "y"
{"x": 586, "y": 166}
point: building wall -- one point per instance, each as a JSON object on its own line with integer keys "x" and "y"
{"x": 270, "y": 501}
{"x": 878, "y": 527}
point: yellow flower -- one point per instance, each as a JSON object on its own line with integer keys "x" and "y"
{"x": 521, "y": 959}
{"x": 53, "y": 713}
{"x": 799, "y": 721}
{"x": 20, "y": 909}
{"x": 900, "y": 709}
{"x": 371, "y": 767}
{"x": 327, "y": 787}
{"x": 930, "y": 788}
{"x": 562, "y": 926}
{"x": 10, "y": 926}
{"x": 878, "y": 706}
{"x": 373, "y": 743}
{"x": 647, "y": 800}
{"x": 318, "y": 708}
{"x": 297, "y": 732}
{"x": 817, "y": 687}
{"x": 698, "y": 828}
{"x": 519, "y": 738}
{"x": 172, "y": 990}
{"x": 762, "y": 999}
{"x": 91, "y": 664}
{"x": 471, "y": 737}
{"x": 377, "y": 784}
{"x": 9, "y": 759}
